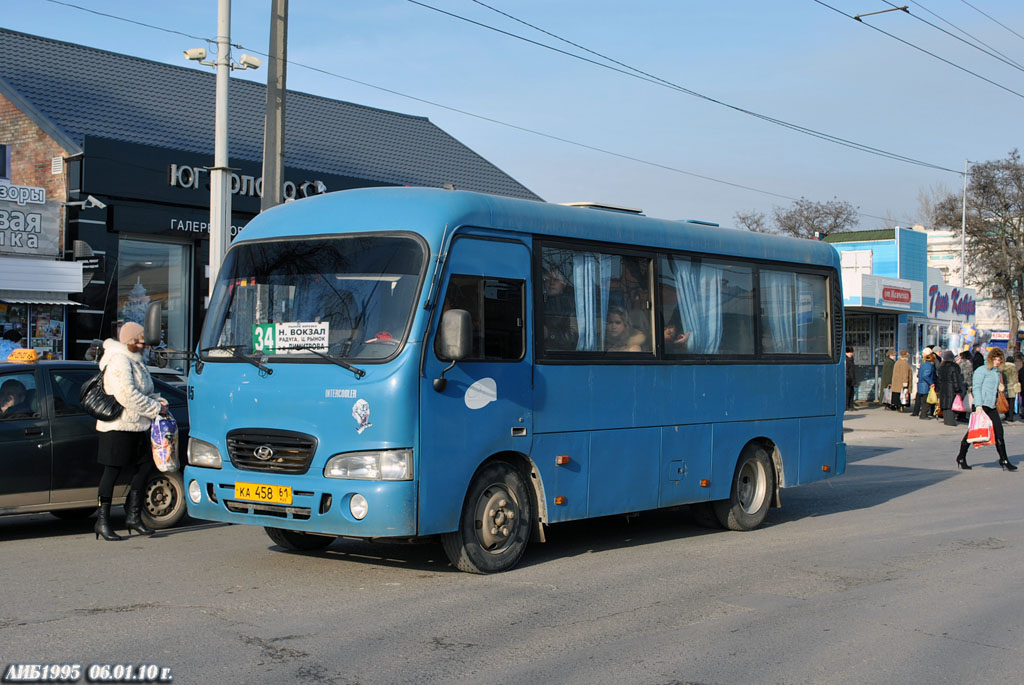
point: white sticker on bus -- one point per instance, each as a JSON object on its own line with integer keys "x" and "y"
{"x": 481, "y": 393}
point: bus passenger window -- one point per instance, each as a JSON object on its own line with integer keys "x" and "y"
{"x": 707, "y": 307}
{"x": 495, "y": 307}
{"x": 595, "y": 302}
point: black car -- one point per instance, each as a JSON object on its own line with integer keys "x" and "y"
{"x": 48, "y": 447}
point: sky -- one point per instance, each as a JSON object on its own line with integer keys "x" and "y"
{"x": 571, "y": 130}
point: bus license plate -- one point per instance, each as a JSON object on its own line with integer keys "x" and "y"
{"x": 256, "y": 492}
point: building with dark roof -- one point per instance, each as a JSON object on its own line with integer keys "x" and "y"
{"x": 138, "y": 136}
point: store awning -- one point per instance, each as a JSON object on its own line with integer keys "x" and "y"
{"x": 67, "y": 302}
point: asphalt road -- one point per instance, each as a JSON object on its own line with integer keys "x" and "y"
{"x": 904, "y": 570}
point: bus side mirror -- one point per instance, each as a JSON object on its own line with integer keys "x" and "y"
{"x": 456, "y": 341}
{"x": 151, "y": 329}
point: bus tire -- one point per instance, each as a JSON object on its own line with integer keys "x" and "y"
{"x": 494, "y": 527}
{"x": 296, "y": 541}
{"x": 751, "y": 495}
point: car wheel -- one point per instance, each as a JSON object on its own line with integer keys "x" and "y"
{"x": 74, "y": 514}
{"x": 494, "y": 528}
{"x": 296, "y": 541}
{"x": 752, "y": 487}
{"x": 163, "y": 503}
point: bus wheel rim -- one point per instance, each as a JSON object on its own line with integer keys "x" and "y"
{"x": 751, "y": 487}
{"x": 497, "y": 518}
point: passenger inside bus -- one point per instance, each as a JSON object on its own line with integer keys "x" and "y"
{"x": 675, "y": 339}
{"x": 559, "y": 313}
{"x": 620, "y": 336}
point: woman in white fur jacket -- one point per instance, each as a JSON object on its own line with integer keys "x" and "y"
{"x": 124, "y": 442}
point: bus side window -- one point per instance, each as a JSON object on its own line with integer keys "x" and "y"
{"x": 495, "y": 307}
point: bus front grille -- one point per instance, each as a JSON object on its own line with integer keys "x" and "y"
{"x": 269, "y": 450}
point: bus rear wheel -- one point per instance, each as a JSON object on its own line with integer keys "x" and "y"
{"x": 296, "y": 541}
{"x": 752, "y": 488}
{"x": 494, "y": 527}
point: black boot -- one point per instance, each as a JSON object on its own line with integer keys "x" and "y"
{"x": 102, "y": 526}
{"x": 133, "y": 514}
{"x": 1005, "y": 463}
{"x": 962, "y": 463}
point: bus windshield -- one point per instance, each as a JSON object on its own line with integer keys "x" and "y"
{"x": 348, "y": 297}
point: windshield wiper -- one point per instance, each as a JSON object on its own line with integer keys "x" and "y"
{"x": 236, "y": 352}
{"x": 334, "y": 360}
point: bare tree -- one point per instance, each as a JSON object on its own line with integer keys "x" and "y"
{"x": 803, "y": 219}
{"x": 753, "y": 221}
{"x": 995, "y": 230}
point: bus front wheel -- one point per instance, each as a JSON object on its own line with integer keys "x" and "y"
{"x": 494, "y": 527}
{"x": 297, "y": 541}
{"x": 752, "y": 488}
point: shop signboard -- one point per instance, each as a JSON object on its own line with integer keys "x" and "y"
{"x": 886, "y": 293}
{"x": 951, "y": 303}
{"x": 29, "y": 225}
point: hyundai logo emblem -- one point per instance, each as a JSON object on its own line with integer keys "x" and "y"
{"x": 263, "y": 452}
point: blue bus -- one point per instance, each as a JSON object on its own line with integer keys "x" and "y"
{"x": 395, "y": 363}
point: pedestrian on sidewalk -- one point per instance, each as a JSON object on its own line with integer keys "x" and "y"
{"x": 967, "y": 369}
{"x": 949, "y": 384}
{"x": 988, "y": 381}
{"x": 902, "y": 376}
{"x": 1009, "y": 370}
{"x": 925, "y": 382}
{"x": 851, "y": 378}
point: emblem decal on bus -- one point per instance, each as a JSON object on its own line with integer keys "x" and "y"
{"x": 481, "y": 393}
{"x": 361, "y": 413}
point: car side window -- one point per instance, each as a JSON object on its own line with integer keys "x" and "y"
{"x": 67, "y": 385}
{"x": 174, "y": 396}
{"x": 18, "y": 397}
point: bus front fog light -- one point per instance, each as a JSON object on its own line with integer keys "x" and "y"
{"x": 195, "y": 493}
{"x": 359, "y": 507}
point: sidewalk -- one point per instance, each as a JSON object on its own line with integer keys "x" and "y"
{"x": 872, "y": 417}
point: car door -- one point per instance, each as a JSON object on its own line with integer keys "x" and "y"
{"x": 25, "y": 463}
{"x": 76, "y": 474}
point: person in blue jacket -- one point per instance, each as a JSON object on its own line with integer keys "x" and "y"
{"x": 925, "y": 382}
{"x": 988, "y": 381}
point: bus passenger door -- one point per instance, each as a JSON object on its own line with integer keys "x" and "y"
{"x": 485, "y": 407}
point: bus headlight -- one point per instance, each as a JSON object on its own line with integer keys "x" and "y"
{"x": 203, "y": 454}
{"x": 376, "y": 465}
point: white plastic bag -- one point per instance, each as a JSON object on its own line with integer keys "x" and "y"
{"x": 163, "y": 436}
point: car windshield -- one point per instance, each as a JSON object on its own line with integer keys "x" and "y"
{"x": 347, "y": 297}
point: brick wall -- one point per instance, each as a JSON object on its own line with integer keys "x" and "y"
{"x": 31, "y": 153}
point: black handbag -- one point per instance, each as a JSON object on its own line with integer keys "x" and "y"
{"x": 96, "y": 402}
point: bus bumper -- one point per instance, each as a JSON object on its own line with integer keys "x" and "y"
{"x": 319, "y": 505}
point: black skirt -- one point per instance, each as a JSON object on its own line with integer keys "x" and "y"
{"x": 120, "y": 448}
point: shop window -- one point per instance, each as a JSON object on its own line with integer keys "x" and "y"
{"x": 5, "y": 162}
{"x": 150, "y": 271}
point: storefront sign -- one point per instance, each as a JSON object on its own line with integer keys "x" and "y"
{"x": 947, "y": 302}
{"x": 897, "y": 295}
{"x": 197, "y": 178}
{"x": 28, "y": 225}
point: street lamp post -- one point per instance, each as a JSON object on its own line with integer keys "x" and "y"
{"x": 220, "y": 172}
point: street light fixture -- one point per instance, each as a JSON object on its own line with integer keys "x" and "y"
{"x": 220, "y": 173}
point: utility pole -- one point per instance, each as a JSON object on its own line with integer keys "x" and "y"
{"x": 220, "y": 173}
{"x": 273, "y": 131}
{"x": 963, "y": 231}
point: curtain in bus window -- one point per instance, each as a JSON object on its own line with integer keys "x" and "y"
{"x": 592, "y": 274}
{"x": 699, "y": 294}
{"x": 812, "y": 314}
{"x": 778, "y": 309}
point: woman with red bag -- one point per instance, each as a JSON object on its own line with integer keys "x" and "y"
{"x": 988, "y": 382}
{"x": 949, "y": 382}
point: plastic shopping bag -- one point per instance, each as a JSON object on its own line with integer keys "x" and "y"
{"x": 932, "y": 397}
{"x": 958, "y": 404}
{"x": 905, "y": 397}
{"x": 887, "y": 395}
{"x": 164, "y": 439}
{"x": 980, "y": 431}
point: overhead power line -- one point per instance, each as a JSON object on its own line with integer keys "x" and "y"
{"x": 977, "y": 44}
{"x": 920, "y": 49}
{"x": 993, "y": 19}
{"x": 632, "y": 72}
{"x": 466, "y": 113}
